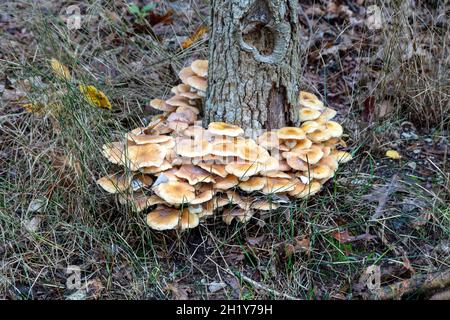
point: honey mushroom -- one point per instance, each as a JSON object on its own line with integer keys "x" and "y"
{"x": 181, "y": 173}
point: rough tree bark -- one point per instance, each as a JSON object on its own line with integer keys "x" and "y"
{"x": 253, "y": 63}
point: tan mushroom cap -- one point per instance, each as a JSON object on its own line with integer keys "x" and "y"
{"x": 241, "y": 215}
{"x": 310, "y": 100}
{"x": 140, "y": 181}
{"x": 264, "y": 205}
{"x": 188, "y": 220}
{"x": 178, "y": 101}
{"x": 113, "y": 151}
{"x": 270, "y": 164}
{"x": 253, "y": 184}
{"x": 203, "y": 197}
{"x": 276, "y": 174}
{"x": 200, "y": 67}
{"x": 226, "y": 183}
{"x": 250, "y": 151}
{"x": 190, "y": 148}
{"x": 319, "y": 135}
{"x": 144, "y": 155}
{"x": 215, "y": 203}
{"x": 196, "y": 132}
{"x": 198, "y": 83}
{"x": 329, "y": 161}
{"x": 294, "y": 161}
{"x": 334, "y": 128}
{"x": 305, "y": 190}
{"x": 147, "y": 138}
{"x": 213, "y": 159}
{"x": 115, "y": 183}
{"x": 302, "y": 145}
{"x": 290, "y": 143}
{"x": 269, "y": 140}
{"x": 235, "y": 198}
{"x": 138, "y": 201}
{"x": 185, "y": 74}
{"x": 243, "y": 170}
{"x": 224, "y": 149}
{"x": 307, "y": 114}
{"x": 163, "y": 218}
{"x": 218, "y": 169}
{"x": 194, "y": 174}
{"x": 161, "y": 105}
{"x": 175, "y": 192}
{"x": 310, "y": 126}
{"x": 277, "y": 185}
{"x": 188, "y": 109}
{"x": 311, "y": 155}
{"x": 186, "y": 116}
{"x": 155, "y": 200}
{"x": 226, "y": 129}
{"x": 168, "y": 175}
{"x": 162, "y": 127}
{"x": 291, "y": 133}
{"x": 319, "y": 172}
{"x": 178, "y": 126}
{"x": 183, "y": 88}
{"x": 328, "y": 114}
{"x": 341, "y": 156}
{"x": 190, "y": 95}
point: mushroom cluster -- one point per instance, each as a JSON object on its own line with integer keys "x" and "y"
{"x": 183, "y": 173}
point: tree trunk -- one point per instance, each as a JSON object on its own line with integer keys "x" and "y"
{"x": 253, "y": 64}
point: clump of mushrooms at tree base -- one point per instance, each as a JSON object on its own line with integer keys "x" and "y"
{"x": 181, "y": 173}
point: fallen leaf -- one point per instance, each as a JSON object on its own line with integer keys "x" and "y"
{"x": 216, "y": 286}
{"x": 179, "y": 293}
{"x": 94, "y": 287}
{"x": 422, "y": 219}
{"x": 37, "y": 204}
{"x": 95, "y": 96}
{"x": 32, "y": 225}
{"x": 59, "y": 69}
{"x": 156, "y": 18}
{"x": 393, "y": 154}
{"x": 77, "y": 295}
{"x": 254, "y": 241}
{"x": 369, "y": 108}
{"x": 197, "y": 35}
{"x": 302, "y": 244}
{"x": 344, "y": 237}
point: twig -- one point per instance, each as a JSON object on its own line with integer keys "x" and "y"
{"x": 423, "y": 282}
{"x": 255, "y": 284}
{"x": 265, "y": 288}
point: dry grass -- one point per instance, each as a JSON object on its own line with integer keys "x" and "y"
{"x": 56, "y": 156}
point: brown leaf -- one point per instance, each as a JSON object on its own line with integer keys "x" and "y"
{"x": 197, "y": 35}
{"x": 344, "y": 237}
{"x": 179, "y": 293}
{"x": 302, "y": 244}
{"x": 254, "y": 241}
{"x": 422, "y": 219}
{"x": 156, "y": 18}
{"x": 369, "y": 108}
{"x": 94, "y": 288}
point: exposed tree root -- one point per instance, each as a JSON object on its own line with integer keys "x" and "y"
{"x": 417, "y": 282}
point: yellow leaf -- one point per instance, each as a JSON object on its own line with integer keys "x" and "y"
{"x": 393, "y": 154}
{"x": 194, "y": 37}
{"x": 59, "y": 69}
{"x": 95, "y": 96}
{"x": 41, "y": 109}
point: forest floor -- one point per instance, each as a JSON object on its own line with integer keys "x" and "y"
{"x": 379, "y": 219}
